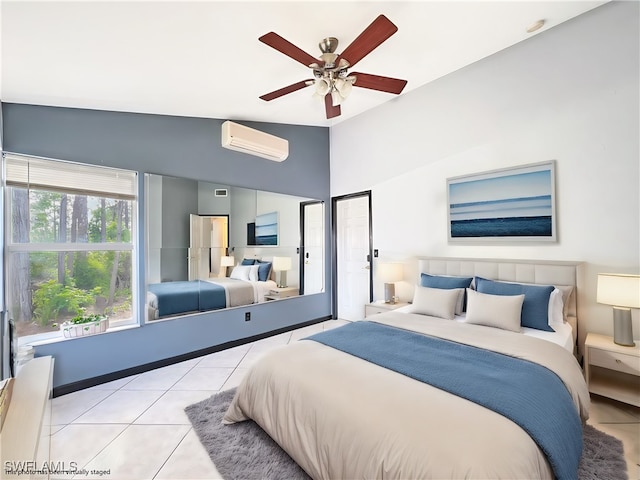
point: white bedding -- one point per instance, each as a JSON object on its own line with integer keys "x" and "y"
{"x": 339, "y": 416}
{"x": 263, "y": 288}
{"x": 259, "y": 290}
{"x": 563, "y": 335}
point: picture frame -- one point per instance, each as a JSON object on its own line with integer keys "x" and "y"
{"x": 266, "y": 229}
{"x": 515, "y": 204}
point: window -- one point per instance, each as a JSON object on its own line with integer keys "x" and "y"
{"x": 69, "y": 242}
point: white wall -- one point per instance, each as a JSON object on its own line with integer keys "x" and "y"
{"x": 570, "y": 94}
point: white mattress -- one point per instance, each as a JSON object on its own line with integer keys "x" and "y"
{"x": 562, "y": 336}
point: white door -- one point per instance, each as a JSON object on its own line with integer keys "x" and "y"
{"x": 194, "y": 251}
{"x": 199, "y": 247}
{"x": 314, "y": 248}
{"x": 207, "y": 244}
{"x": 353, "y": 248}
{"x": 218, "y": 239}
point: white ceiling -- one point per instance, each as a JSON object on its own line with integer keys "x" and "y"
{"x": 203, "y": 58}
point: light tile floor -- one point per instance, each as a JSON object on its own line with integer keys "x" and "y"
{"x": 135, "y": 428}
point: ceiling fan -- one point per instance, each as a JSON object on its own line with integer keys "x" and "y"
{"x": 331, "y": 77}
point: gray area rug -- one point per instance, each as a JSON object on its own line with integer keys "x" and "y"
{"x": 243, "y": 451}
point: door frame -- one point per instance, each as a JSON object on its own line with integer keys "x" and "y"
{"x": 334, "y": 249}
{"x": 301, "y": 250}
{"x": 218, "y": 215}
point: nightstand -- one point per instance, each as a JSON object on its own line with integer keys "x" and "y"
{"x": 381, "y": 307}
{"x": 612, "y": 370}
{"x": 277, "y": 293}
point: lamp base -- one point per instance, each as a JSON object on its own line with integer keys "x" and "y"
{"x": 390, "y": 293}
{"x": 283, "y": 279}
{"x": 622, "y": 329}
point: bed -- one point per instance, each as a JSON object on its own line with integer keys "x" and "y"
{"x": 411, "y": 395}
{"x": 244, "y": 287}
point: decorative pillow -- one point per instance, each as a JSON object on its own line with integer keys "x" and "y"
{"x": 264, "y": 270}
{"x": 248, "y": 261}
{"x": 499, "y": 311}
{"x": 241, "y": 272}
{"x": 566, "y": 291}
{"x": 437, "y": 302}
{"x": 535, "y": 309}
{"x": 446, "y": 282}
{"x": 253, "y": 272}
{"x": 556, "y": 307}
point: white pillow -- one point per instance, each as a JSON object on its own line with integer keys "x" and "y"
{"x": 460, "y": 302}
{"x": 437, "y": 302}
{"x": 253, "y": 273}
{"x": 499, "y": 311}
{"x": 556, "y": 308}
{"x": 241, "y": 272}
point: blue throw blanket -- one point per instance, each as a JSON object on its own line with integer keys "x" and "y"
{"x": 526, "y": 393}
{"x": 185, "y": 296}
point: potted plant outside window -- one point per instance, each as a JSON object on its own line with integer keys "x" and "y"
{"x": 85, "y": 324}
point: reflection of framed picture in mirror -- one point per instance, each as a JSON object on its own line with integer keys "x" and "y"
{"x": 266, "y": 229}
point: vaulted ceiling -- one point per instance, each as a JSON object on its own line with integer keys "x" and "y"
{"x": 203, "y": 58}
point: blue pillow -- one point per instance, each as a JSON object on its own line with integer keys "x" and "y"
{"x": 248, "y": 261}
{"x": 264, "y": 270}
{"x": 447, "y": 283}
{"x": 535, "y": 308}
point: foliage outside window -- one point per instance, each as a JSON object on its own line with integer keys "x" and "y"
{"x": 69, "y": 231}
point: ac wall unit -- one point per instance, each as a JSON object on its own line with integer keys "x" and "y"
{"x": 254, "y": 142}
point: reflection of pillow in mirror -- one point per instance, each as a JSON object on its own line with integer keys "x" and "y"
{"x": 264, "y": 270}
{"x": 241, "y": 272}
{"x": 248, "y": 261}
{"x": 253, "y": 272}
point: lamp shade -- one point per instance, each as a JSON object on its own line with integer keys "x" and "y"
{"x": 619, "y": 290}
{"x": 281, "y": 264}
{"x": 227, "y": 261}
{"x": 322, "y": 87}
{"x": 390, "y": 272}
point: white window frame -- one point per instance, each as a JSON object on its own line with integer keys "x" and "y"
{"x": 14, "y": 247}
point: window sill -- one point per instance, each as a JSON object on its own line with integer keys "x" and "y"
{"x": 54, "y": 337}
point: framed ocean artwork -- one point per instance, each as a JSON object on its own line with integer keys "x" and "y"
{"x": 266, "y": 229}
{"x": 510, "y": 204}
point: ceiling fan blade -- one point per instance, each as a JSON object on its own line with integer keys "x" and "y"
{"x": 372, "y": 36}
{"x": 332, "y": 111}
{"x": 376, "y": 82}
{"x": 283, "y": 91}
{"x": 289, "y": 49}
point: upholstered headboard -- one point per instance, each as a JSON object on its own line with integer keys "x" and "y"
{"x": 523, "y": 271}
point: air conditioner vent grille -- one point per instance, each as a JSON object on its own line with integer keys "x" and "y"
{"x": 254, "y": 142}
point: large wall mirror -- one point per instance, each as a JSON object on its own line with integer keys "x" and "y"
{"x": 212, "y": 246}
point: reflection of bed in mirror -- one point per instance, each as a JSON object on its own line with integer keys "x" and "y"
{"x": 248, "y": 284}
{"x": 194, "y": 226}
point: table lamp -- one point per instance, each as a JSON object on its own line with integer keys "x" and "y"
{"x": 389, "y": 273}
{"x": 226, "y": 261}
{"x": 623, "y": 292}
{"x": 282, "y": 265}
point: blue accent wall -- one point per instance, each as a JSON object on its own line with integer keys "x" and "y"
{"x": 182, "y": 147}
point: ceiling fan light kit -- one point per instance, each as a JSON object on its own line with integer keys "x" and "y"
{"x": 332, "y": 80}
